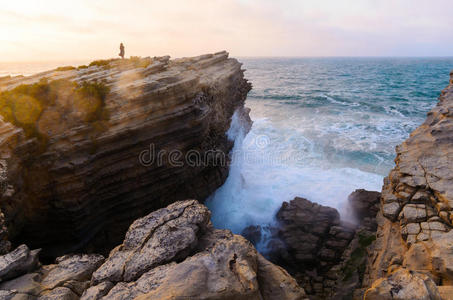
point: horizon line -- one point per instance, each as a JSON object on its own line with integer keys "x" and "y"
{"x": 242, "y": 56}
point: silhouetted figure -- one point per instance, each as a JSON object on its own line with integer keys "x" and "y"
{"x": 121, "y": 50}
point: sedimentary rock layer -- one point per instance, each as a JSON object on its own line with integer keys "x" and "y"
{"x": 172, "y": 253}
{"x": 414, "y": 238}
{"x": 90, "y": 180}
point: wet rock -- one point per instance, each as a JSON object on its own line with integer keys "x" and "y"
{"x": 252, "y": 233}
{"x": 365, "y": 204}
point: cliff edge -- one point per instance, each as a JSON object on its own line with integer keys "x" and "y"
{"x": 412, "y": 257}
{"x": 87, "y": 150}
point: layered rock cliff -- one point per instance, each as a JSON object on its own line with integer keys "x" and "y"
{"x": 82, "y": 168}
{"x": 172, "y": 253}
{"x": 412, "y": 257}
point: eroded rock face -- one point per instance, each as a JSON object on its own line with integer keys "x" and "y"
{"x": 85, "y": 186}
{"x": 403, "y": 284}
{"x": 168, "y": 234}
{"x": 415, "y": 218}
{"x": 172, "y": 253}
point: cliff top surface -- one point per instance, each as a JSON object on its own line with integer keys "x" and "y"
{"x": 107, "y": 96}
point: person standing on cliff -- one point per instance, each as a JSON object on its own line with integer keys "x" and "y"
{"x": 121, "y": 51}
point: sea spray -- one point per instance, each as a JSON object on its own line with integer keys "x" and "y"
{"x": 322, "y": 128}
{"x": 265, "y": 172}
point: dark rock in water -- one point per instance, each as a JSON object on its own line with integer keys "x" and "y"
{"x": 325, "y": 254}
{"x": 171, "y": 253}
{"x": 77, "y": 183}
{"x": 365, "y": 206}
{"x": 253, "y": 234}
{"x": 314, "y": 235}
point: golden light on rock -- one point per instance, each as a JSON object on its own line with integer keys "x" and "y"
{"x": 86, "y": 105}
{"x": 27, "y": 109}
{"x": 50, "y": 123}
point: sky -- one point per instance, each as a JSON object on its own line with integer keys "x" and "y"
{"x": 51, "y": 30}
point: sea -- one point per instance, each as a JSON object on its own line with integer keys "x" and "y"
{"x": 322, "y": 127}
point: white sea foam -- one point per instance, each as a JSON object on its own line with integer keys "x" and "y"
{"x": 271, "y": 166}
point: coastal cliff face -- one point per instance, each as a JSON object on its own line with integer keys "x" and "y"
{"x": 412, "y": 256}
{"x": 88, "y": 170}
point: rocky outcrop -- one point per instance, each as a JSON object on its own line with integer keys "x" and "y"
{"x": 172, "y": 253}
{"x": 415, "y": 219}
{"x": 309, "y": 241}
{"x": 78, "y": 184}
{"x": 326, "y": 255}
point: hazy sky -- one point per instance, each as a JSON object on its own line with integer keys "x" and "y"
{"x": 70, "y": 30}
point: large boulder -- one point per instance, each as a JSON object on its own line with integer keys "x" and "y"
{"x": 168, "y": 234}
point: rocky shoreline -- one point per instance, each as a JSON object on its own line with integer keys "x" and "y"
{"x": 88, "y": 190}
{"x": 172, "y": 253}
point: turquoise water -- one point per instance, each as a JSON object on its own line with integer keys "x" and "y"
{"x": 323, "y": 127}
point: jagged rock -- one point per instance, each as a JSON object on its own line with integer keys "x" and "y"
{"x": 70, "y": 268}
{"x": 312, "y": 232}
{"x": 181, "y": 256}
{"x": 416, "y": 209}
{"x": 403, "y": 284}
{"x": 276, "y": 283}
{"x": 59, "y": 293}
{"x": 98, "y": 291}
{"x": 83, "y": 187}
{"x": 311, "y": 241}
{"x": 365, "y": 204}
{"x": 165, "y": 235}
{"x": 227, "y": 268}
{"x": 25, "y": 284}
{"x": 252, "y": 233}
{"x": 68, "y": 278}
{"x": 18, "y": 262}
